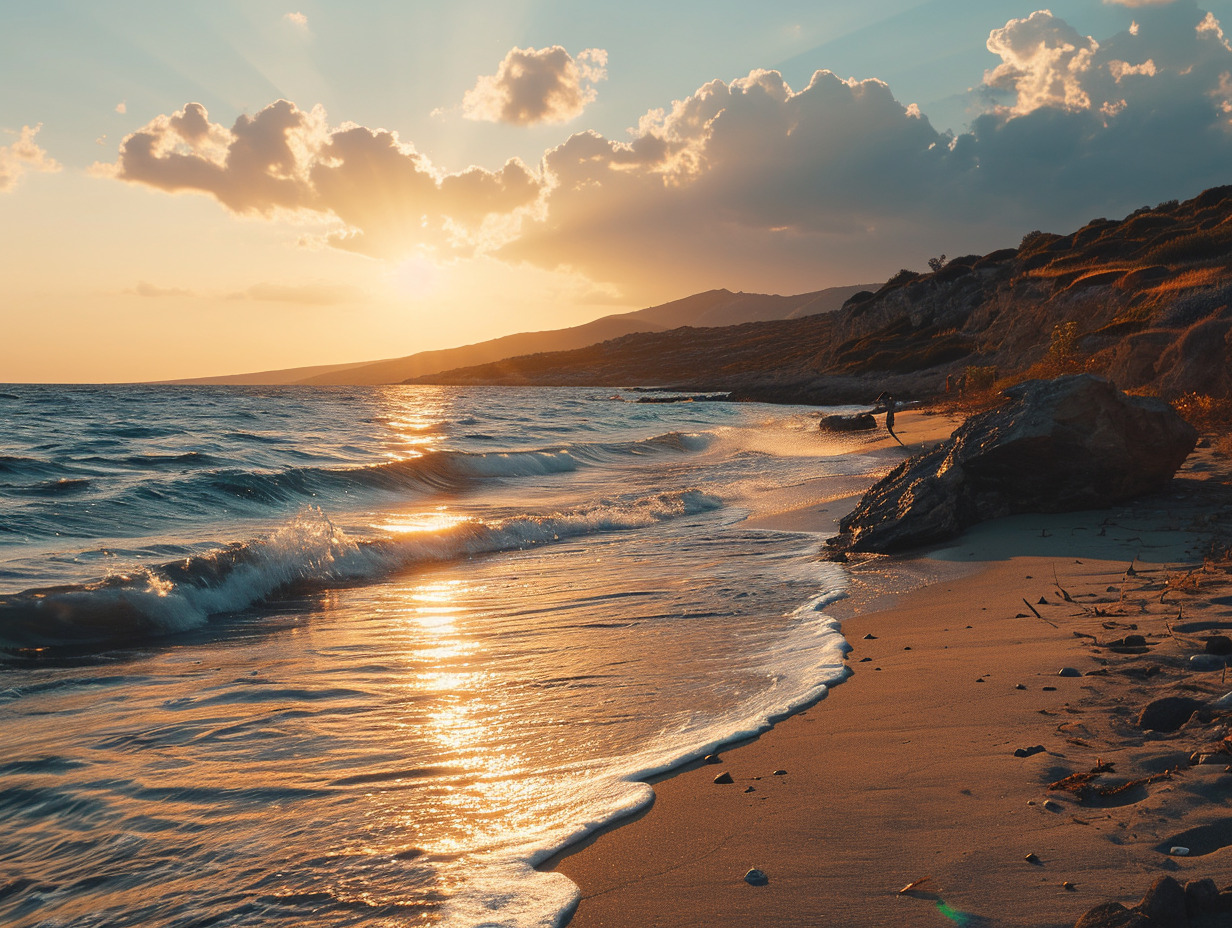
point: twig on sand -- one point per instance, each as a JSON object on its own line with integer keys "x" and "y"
{"x": 1037, "y": 615}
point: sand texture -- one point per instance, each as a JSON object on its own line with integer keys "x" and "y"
{"x": 907, "y": 770}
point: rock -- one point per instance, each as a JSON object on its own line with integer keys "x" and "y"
{"x": 1028, "y": 752}
{"x": 1201, "y": 896}
{"x": 724, "y": 777}
{"x": 1019, "y": 686}
{"x": 780, "y": 773}
{"x": 861, "y": 422}
{"x": 1108, "y": 915}
{"x": 1207, "y": 663}
{"x": 1164, "y": 903}
{"x": 1032, "y": 858}
{"x": 1178, "y": 851}
{"x": 1167, "y": 714}
{"x": 1072, "y": 443}
{"x": 1218, "y": 644}
{"x": 712, "y": 759}
{"x": 864, "y": 660}
{"x": 756, "y": 877}
{"x": 1068, "y": 672}
{"x": 870, "y": 637}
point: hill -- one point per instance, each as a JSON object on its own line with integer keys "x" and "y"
{"x": 1143, "y": 300}
{"x": 712, "y": 308}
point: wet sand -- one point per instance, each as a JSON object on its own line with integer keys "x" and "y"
{"x": 907, "y": 770}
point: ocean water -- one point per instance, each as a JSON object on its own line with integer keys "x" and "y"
{"x": 366, "y": 656}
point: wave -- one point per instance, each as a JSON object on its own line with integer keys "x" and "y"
{"x": 309, "y": 553}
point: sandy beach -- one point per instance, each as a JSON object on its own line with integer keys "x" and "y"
{"x": 1011, "y": 639}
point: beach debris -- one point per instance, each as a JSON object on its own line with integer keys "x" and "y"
{"x": 750, "y": 789}
{"x": 914, "y": 885}
{"x": 1042, "y": 601}
{"x": 780, "y": 773}
{"x": 1178, "y": 851}
{"x": 864, "y": 660}
{"x": 1049, "y": 689}
{"x": 1032, "y": 858}
{"x": 870, "y": 637}
{"x": 712, "y": 759}
{"x": 1068, "y": 885}
{"x": 1030, "y": 752}
{"x": 724, "y": 777}
{"x": 756, "y": 877}
{"x": 1019, "y": 686}
{"x": 1069, "y": 672}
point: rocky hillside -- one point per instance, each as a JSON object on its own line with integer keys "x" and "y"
{"x": 1143, "y": 300}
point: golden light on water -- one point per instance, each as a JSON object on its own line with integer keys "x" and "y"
{"x": 430, "y": 521}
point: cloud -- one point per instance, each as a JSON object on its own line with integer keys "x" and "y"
{"x": 297, "y": 19}
{"x": 387, "y": 198}
{"x": 315, "y": 294}
{"x": 22, "y": 156}
{"x": 121, "y": 107}
{"x": 532, "y": 87}
{"x": 1134, "y": 4}
{"x": 150, "y": 290}
{"x": 753, "y": 184}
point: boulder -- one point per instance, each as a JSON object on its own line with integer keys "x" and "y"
{"x": 1108, "y": 915}
{"x": 1168, "y": 713}
{"x": 861, "y": 422}
{"x": 1164, "y": 903}
{"x": 1072, "y": 443}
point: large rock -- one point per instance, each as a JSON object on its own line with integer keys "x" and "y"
{"x": 1071, "y": 443}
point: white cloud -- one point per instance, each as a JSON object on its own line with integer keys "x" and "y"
{"x": 537, "y": 86}
{"x": 389, "y": 199}
{"x": 750, "y": 183}
{"x": 297, "y": 19}
{"x": 23, "y": 155}
{"x": 1043, "y": 59}
{"x": 121, "y": 107}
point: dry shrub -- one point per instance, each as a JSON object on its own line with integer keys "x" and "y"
{"x": 1210, "y": 415}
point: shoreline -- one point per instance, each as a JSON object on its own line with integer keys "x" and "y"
{"x": 906, "y": 770}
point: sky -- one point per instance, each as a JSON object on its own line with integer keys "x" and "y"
{"x": 201, "y": 188}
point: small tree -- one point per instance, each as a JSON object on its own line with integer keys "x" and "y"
{"x": 936, "y": 264}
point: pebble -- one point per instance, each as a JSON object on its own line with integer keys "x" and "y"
{"x": 1207, "y": 663}
{"x": 713, "y": 759}
{"x": 780, "y": 773}
{"x": 724, "y": 777}
{"x": 1032, "y": 859}
{"x": 1179, "y": 851}
{"x": 1019, "y": 686}
{"x": 749, "y": 789}
{"x": 870, "y": 637}
{"x": 756, "y": 877}
{"x": 865, "y": 660}
{"x": 1028, "y": 752}
{"x": 1049, "y": 689}
{"x": 1068, "y": 885}
{"x": 1068, "y": 672}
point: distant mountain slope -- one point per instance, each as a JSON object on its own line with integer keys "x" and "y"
{"x": 712, "y": 308}
{"x": 1146, "y": 301}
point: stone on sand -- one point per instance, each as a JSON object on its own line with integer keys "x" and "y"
{"x": 1060, "y": 445}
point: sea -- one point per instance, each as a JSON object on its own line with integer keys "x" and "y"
{"x": 370, "y": 656}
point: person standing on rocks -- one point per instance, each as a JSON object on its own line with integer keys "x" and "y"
{"x": 889, "y": 402}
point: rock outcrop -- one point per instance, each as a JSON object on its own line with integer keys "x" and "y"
{"x": 1072, "y": 443}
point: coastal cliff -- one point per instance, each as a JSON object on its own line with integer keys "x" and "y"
{"x": 1143, "y": 301}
